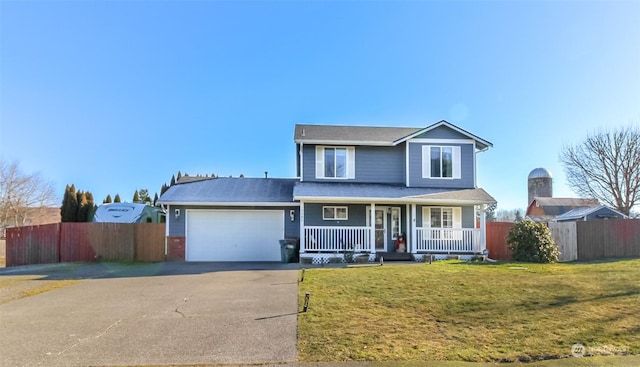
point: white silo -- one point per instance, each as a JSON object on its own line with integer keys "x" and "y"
{"x": 540, "y": 184}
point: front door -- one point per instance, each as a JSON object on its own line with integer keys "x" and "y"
{"x": 380, "y": 224}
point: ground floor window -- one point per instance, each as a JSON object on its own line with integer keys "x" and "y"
{"x": 335, "y": 213}
{"x": 441, "y": 217}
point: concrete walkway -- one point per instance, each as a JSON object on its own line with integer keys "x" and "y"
{"x": 154, "y": 314}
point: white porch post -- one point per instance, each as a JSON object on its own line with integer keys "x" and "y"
{"x": 414, "y": 231}
{"x": 372, "y": 233}
{"x": 483, "y": 227}
{"x": 408, "y": 238}
{"x": 303, "y": 242}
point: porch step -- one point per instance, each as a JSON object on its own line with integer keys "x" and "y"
{"x": 395, "y": 256}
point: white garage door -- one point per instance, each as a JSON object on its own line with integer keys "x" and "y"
{"x": 234, "y": 235}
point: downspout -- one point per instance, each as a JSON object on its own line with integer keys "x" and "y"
{"x": 166, "y": 231}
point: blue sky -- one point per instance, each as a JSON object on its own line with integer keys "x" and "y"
{"x": 114, "y": 96}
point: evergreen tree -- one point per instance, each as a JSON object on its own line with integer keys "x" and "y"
{"x": 117, "y": 199}
{"x": 69, "y": 208}
{"x": 155, "y": 199}
{"x": 107, "y": 200}
{"x": 163, "y": 189}
{"x": 143, "y": 195}
{"x": 179, "y": 176}
{"x": 136, "y": 197}
{"x": 173, "y": 180}
{"x": 83, "y": 207}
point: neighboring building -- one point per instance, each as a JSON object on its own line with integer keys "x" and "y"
{"x": 360, "y": 189}
{"x": 590, "y": 213}
{"x": 128, "y": 213}
{"x": 546, "y": 209}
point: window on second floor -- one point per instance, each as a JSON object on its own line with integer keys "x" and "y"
{"x": 335, "y": 162}
{"x": 441, "y": 162}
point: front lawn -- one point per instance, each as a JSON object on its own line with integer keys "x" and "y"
{"x": 458, "y": 311}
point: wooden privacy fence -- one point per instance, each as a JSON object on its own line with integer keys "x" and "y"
{"x": 497, "y": 240}
{"x": 581, "y": 240}
{"x": 70, "y": 242}
{"x": 602, "y": 239}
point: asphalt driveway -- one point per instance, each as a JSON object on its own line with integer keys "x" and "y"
{"x": 149, "y": 314}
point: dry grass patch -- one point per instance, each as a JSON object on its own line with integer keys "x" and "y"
{"x": 16, "y": 287}
{"x": 456, "y": 311}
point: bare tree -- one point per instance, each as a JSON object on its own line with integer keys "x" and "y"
{"x": 506, "y": 215}
{"x": 606, "y": 166}
{"x": 22, "y": 195}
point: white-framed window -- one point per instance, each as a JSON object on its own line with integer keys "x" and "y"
{"x": 441, "y": 220}
{"x": 335, "y": 162}
{"x": 441, "y": 162}
{"x": 442, "y": 217}
{"x": 335, "y": 213}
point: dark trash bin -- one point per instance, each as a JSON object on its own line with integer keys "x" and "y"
{"x": 289, "y": 250}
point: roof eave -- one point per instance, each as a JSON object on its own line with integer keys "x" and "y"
{"x": 225, "y": 203}
{"x": 386, "y": 200}
{"x": 343, "y": 142}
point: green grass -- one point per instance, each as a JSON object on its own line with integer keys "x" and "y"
{"x": 456, "y": 311}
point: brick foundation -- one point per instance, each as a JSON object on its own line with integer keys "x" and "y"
{"x": 175, "y": 248}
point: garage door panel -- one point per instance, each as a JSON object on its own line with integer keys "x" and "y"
{"x": 234, "y": 235}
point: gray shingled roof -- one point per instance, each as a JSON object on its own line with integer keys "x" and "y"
{"x": 370, "y": 135}
{"x": 381, "y": 192}
{"x": 231, "y": 190}
{"x": 351, "y": 134}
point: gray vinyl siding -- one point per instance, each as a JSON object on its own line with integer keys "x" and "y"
{"x": 356, "y": 215}
{"x": 467, "y": 212}
{"x": 177, "y": 225}
{"x": 467, "y": 161}
{"x": 380, "y": 164}
{"x": 373, "y": 165}
{"x": 441, "y": 132}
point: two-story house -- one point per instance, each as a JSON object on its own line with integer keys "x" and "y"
{"x": 370, "y": 191}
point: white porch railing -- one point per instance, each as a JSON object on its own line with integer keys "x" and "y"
{"x": 336, "y": 239}
{"x": 448, "y": 240}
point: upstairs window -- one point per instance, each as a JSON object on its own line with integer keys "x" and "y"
{"x": 335, "y": 162}
{"x": 441, "y": 162}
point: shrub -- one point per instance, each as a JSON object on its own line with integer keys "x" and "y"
{"x": 532, "y": 242}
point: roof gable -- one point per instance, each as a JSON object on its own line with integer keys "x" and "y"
{"x": 440, "y": 127}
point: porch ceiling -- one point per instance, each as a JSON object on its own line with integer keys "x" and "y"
{"x": 380, "y": 193}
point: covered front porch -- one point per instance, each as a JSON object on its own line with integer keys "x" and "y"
{"x": 342, "y": 220}
{"x": 396, "y": 228}
{"x": 362, "y": 239}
